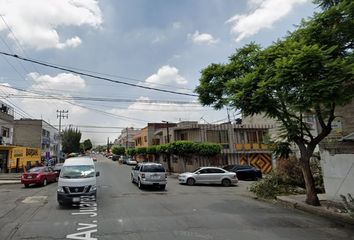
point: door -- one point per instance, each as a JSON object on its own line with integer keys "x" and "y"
{"x": 135, "y": 172}
{"x": 216, "y": 175}
{"x": 202, "y": 176}
{"x": 3, "y": 161}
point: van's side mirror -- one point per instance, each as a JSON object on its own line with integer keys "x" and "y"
{"x": 97, "y": 174}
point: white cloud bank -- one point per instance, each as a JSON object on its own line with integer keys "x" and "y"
{"x": 35, "y": 23}
{"x": 203, "y": 38}
{"x": 264, "y": 16}
{"x": 62, "y": 81}
{"x": 166, "y": 75}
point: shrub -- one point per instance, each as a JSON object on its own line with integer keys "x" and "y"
{"x": 271, "y": 186}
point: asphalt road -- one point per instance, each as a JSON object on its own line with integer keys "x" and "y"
{"x": 181, "y": 212}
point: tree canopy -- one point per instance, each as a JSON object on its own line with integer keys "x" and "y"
{"x": 87, "y": 145}
{"x": 309, "y": 72}
{"x": 118, "y": 150}
{"x": 71, "y": 140}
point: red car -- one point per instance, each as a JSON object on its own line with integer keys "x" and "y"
{"x": 39, "y": 176}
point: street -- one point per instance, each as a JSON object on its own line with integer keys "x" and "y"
{"x": 181, "y": 212}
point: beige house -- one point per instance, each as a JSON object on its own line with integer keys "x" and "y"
{"x": 241, "y": 144}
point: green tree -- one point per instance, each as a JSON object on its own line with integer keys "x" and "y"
{"x": 71, "y": 140}
{"x": 131, "y": 152}
{"x": 308, "y": 72}
{"x": 87, "y": 145}
{"x": 118, "y": 150}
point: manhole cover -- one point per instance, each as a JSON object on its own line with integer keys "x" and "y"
{"x": 35, "y": 199}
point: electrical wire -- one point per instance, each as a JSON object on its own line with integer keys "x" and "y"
{"x": 94, "y": 76}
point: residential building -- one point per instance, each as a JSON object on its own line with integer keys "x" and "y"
{"x": 6, "y": 137}
{"x": 6, "y": 124}
{"x": 146, "y": 136}
{"x": 241, "y": 143}
{"x": 126, "y": 138}
{"x": 37, "y": 133}
{"x": 337, "y": 154}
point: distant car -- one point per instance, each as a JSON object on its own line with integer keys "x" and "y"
{"x": 131, "y": 162}
{"x": 39, "y": 176}
{"x": 115, "y": 157}
{"x": 57, "y": 167}
{"x": 208, "y": 175}
{"x": 244, "y": 172}
{"x": 152, "y": 174}
{"x": 123, "y": 159}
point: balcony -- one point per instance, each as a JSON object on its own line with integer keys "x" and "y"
{"x": 251, "y": 146}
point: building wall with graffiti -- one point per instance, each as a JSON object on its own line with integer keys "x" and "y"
{"x": 17, "y": 158}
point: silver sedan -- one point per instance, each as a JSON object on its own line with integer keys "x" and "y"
{"x": 208, "y": 175}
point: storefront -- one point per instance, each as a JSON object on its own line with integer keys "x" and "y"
{"x": 15, "y": 159}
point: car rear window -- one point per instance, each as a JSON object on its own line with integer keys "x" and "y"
{"x": 153, "y": 168}
{"x": 36, "y": 170}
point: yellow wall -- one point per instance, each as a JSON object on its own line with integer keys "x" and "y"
{"x": 142, "y": 135}
{"x": 24, "y": 154}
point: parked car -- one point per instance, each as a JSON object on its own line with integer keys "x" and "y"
{"x": 131, "y": 162}
{"x": 115, "y": 157}
{"x": 208, "y": 175}
{"x": 57, "y": 167}
{"x": 39, "y": 176}
{"x": 152, "y": 174}
{"x": 123, "y": 159}
{"x": 244, "y": 172}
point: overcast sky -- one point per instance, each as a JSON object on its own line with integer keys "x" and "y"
{"x": 155, "y": 43}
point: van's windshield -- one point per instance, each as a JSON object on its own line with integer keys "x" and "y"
{"x": 79, "y": 171}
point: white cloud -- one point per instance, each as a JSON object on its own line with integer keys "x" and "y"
{"x": 176, "y": 25}
{"x": 203, "y": 38}
{"x": 62, "y": 81}
{"x": 36, "y": 23}
{"x": 158, "y": 39}
{"x": 166, "y": 75}
{"x": 264, "y": 16}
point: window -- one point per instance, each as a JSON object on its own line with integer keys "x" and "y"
{"x": 145, "y": 139}
{"x": 252, "y": 137}
{"x": 215, "y": 170}
{"x": 183, "y": 136}
{"x": 5, "y": 132}
{"x": 217, "y": 136}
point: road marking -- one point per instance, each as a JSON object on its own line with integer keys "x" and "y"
{"x": 35, "y": 199}
{"x": 88, "y": 206}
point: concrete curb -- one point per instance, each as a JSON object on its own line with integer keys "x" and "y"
{"x": 288, "y": 202}
{"x": 7, "y": 182}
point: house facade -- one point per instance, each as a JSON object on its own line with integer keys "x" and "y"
{"x": 126, "y": 138}
{"x": 337, "y": 154}
{"x": 6, "y": 137}
{"x": 37, "y": 133}
{"x": 241, "y": 144}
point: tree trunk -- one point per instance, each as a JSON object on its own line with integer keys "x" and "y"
{"x": 311, "y": 195}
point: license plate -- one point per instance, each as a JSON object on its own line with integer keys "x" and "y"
{"x": 29, "y": 177}
{"x": 76, "y": 199}
{"x": 155, "y": 177}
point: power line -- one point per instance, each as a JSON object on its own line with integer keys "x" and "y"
{"x": 94, "y": 76}
{"x": 103, "y": 99}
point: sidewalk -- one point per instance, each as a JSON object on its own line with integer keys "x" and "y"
{"x": 10, "y": 178}
{"x": 328, "y": 209}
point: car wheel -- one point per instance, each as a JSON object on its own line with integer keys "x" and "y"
{"x": 226, "y": 182}
{"x": 190, "y": 181}
{"x": 162, "y": 187}
{"x": 26, "y": 185}
{"x": 45, "y": 182}
{"x": 140, "y": 185}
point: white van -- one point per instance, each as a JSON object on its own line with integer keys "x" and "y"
{"x": 77, "y": 178}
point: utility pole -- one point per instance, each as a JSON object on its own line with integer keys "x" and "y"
{"x": 60, "y": 114}
{"x": 126, "y": 142}
{"x": 108, "y": 145}
{"x": 168, "y": 141}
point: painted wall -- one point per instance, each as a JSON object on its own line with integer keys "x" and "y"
{"x": 338, "y": 174}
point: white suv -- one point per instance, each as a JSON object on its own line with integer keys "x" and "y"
{"x": 152, "y": 174}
